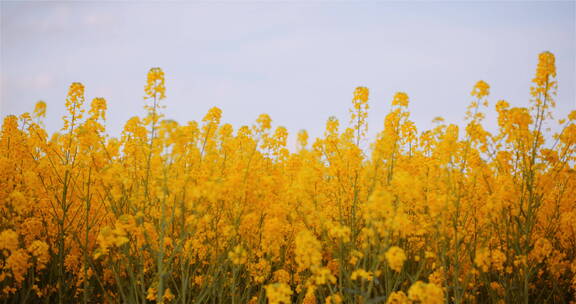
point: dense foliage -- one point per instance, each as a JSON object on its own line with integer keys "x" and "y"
{"x": 204, "y": 213}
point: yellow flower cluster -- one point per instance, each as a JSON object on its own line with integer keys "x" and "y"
{"x": 74, "y": 102}
{"x": 278, "y": 293}
{"x": 546, "y": 68}
{"x": 207, "y": 212}
{"x": 481, "y": 90}
{"x": 426, "y": 293}
{"x": 490, "y": 258}
{"x": 400, "y": 99}
{"x": 40, "y": 109}
{"x": 395, "y": 257}
{"x": 361, "y": 274}
{"x": 359, "y": 112}
{"x": 155, "y": 87}
{"x": 308, "y": 250}
{"x": 238, "y": 256}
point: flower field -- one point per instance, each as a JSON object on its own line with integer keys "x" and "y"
{"x": 207, "y": 212}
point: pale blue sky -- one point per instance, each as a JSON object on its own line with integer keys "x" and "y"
{"x": 297, "y": 61}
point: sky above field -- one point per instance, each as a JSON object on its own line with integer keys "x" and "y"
{"x": 298, "y": 62}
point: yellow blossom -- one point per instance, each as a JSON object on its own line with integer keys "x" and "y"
{"x": 397, "y": 297}
{"x": 9, "y": 240}
{"x": 395, "y": 257}
{"x": 168, "y": 295}
{"x": 481, "y": 90}
{"x": 426, "y": 293}
{"x": 278, "y": 293}
{"x": 400, "y": 99}
{"x": 361, "y": 274}
{"x": 40, "y": 109}
{"x": 334, "y": 299}
{"x": 307, "y": 250}
{"x": 238, "y": 255}
{"x": 155, "y": 84}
